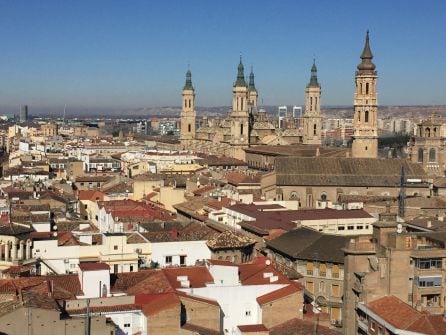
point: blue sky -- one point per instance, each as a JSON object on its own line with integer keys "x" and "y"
{"x": 135, "y": 53}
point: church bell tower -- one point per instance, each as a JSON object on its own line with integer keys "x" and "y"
{"x": 312, "y": 116}
{"x": 365, "y": 122}
{"x": 188, "y": 113}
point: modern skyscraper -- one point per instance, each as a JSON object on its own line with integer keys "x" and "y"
{"x": 23, "y": 117}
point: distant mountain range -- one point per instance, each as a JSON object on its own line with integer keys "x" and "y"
{"x": 409, "y": 112}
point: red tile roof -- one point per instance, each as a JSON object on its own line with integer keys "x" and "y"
{"x": 204, "y": 189}
{"x": 152, "y": 304}
{"x": 402, "y": 316}
{"x": 300, "y": 327}
{"x": 252, "y": 328}
{"x": 198, "y": 276}
{"x": 94, "y": 266}
{"x": 277, "y": 294}
{"x": 91, "y": 195}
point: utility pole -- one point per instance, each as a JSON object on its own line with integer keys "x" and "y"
{"x": 87, "y": 320}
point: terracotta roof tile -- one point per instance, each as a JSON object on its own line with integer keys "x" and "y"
{"x": 277, "y": 294}
{"x": 155, "y": 303}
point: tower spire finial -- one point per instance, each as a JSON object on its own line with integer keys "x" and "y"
{"x": 188, "y": 85}
{"x": 313, "y": 79}
{"x": 366, "y": 57}
{"x": 240, "y": 74}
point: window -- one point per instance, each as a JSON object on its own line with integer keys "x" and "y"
{"x": 350, "y": 227}
{"x": 115, "y": 268}
{"x": 189, "y": 127}
{"x": 311, "y": 104}
{"x": 182, "y": 260}
{"x": 335, "y": 271}
{"x": 323, "y": 270}
{"x": 432, "y": 155}
{"x": 241, "y": 129}
{"x": 115, "y": 247}
{"x": 85, "y": 206}
{"x": 366, "y": 116}
{"x": 126, "y": 325}
{"x": 248, "y": 313}
{"x": 310, "y": 286}
{"x": 420, "y": 155}
{"x": 314, "y": 129}
{"x": 131, "y": 268}
{"x": 372, "y": 325}
{"x": 341, "y": 228}
{"x": 335, "y": 291}
{"x": 310, "y": 268}
{"x": 324, "y": 196}
{"x": 359, "y": 227}
{"x": 367, "y": 89}
{"x": 428, "y": 281}
{"x": 428, "y": 263}
{"x": 168, "y": 260}
{"x": 427, "y": 132}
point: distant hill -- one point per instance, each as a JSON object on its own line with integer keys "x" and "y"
{"x": 409, "y": 112}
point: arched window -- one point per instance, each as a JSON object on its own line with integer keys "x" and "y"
{"x": 241, "y": 104}
{"x": 185, "y": 103}
{"x": 367, "y": 88}
{"x": 311, "y": 104}
{"x": 427, "y": 132}
{"x": 432, "y": 155}
{"x": 315, "y": 103}
{"x": 190, "y": 103}
{"x": 189, "y": 128}
{"x": 366, "y": 116}
{"x": 420, "y": 155}
{"x": 435, "y": 131}
{"x": 359, "y": 116}
{"x": 241, "y": 129}
{"x": 314, "y": 129}
{"x": 360, "y": 88}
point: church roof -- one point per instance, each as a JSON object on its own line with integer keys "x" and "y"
{"x": 334, "y": 171}
{"x": 263, "y": 125}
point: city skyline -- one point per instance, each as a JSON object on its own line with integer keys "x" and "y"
{"x": 106, "y": 55}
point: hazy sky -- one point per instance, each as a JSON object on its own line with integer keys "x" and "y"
{"x": 135, "y": 53}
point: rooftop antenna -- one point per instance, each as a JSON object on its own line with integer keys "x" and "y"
{"x": 402, "y": 195}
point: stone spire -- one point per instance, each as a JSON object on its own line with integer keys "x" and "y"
{"x": 188, "y": 84}
{"x": 313, "y": 79}
{"x": 251, "y": 86}
{"x": 240, "y": 75}
{"x": 366, "y": 64}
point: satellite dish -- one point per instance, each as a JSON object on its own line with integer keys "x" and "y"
{"x": 399, "y": 228}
